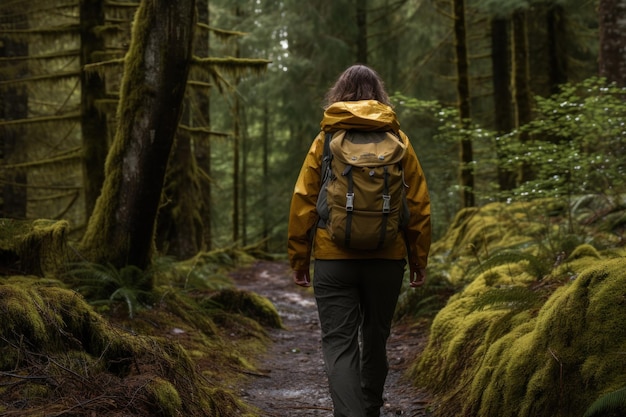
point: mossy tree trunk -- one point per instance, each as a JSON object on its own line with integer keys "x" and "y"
{"x": 179, "y": 229}
{"x": 203, "y": 147}
{"x": 502, "y": 99}
{"x": 521, "y": 83}
{"x": 121, "y": 229}
{"x": 612, "y": 17}
{"x": 93, "y": 120}
{"x": 265, "y": 137}
{"x": 13, "y": 106}
{"x": 236, "y": 167}
{"x": 463, "y": 93}
{"x": 236, "y": 149}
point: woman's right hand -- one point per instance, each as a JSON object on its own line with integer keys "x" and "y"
{"x": 302, "y": 278}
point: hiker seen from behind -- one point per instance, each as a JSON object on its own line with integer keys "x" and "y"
{"x": 361, "y": 209}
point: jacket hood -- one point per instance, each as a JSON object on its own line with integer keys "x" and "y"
{"x": 361, "y": 115}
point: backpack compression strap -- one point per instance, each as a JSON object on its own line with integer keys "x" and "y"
{"x": 349, "y": 203}
{"x": 325, "y": 172}
{"x": 386, "y": 208}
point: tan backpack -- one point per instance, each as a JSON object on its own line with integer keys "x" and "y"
{"x": 362, "y": 202}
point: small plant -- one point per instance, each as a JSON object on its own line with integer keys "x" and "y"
{"x": 106, "y": 284}
{"x": 612, "y": 404}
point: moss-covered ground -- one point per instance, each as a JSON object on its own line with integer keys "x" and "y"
{"x": 536, "y": 323}
{"x": 187, "y": 343}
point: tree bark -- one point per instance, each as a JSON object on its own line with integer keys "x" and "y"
{"x": 463, "y": 93}
{"x": 502, "y": 99}
{"x": 612, "y": 17}
{"x": 557, "y": 47}
{"x": 121, "y": 229}
{"x": 179, "y": 229}
{"x": 203, "y": 147}
{"x": 521, "y": 83}
{"x": 13, "y": 106}
{"x": 93, "y": 121}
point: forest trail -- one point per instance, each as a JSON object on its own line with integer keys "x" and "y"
{"x": 293, "y": 381}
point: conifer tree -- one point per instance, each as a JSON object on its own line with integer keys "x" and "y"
{"x": 612, "y": 17}
{"x": 121, "y": 229}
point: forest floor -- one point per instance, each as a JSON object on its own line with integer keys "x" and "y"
{"x": 292, "y": 381}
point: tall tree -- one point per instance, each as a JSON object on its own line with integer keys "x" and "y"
{"x": 201, "y": 98}
{"x": 463, "y": 92}
{"x": 557, "y": 47}
{"x": 13, "y": 106}
{"x": 521, "y": 77}
{"x": 93, "y": 89}
{"x": 121, "y": 229}
{"x": 612, "y": 17}
{"x": 502, "y": 100}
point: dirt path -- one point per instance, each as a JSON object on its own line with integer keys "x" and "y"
{"x": 296, "y": 384}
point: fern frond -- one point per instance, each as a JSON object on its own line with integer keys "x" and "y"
{"x": 536, "y": 266}
{"x": 608, "y": 405}
{"x": 513, "y": 298}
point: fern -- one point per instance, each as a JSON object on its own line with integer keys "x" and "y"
{"x": 536, "y": 265}
{"x": 514, "y": 298}
{"x": 609, "y": 405}
{"x": 105, "y": 284}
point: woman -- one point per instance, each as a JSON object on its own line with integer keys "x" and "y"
{"x": 356, "y": 291}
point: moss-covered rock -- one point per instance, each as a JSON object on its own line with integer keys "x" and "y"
{"x": 53, "y": 345}
{"x": 248, "y": 304}
{"x": 35, "y": 247}
{"x": 514, "y": 343}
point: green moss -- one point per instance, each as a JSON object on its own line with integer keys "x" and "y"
{"x": 38, "y": 247}
{"x": 250, "y": 305}
{"x": 166, "y": 397}
{"x": 186, "y": 309}
{"x": 22, "y": 315}
{"x": 555, "y": 362}
{"x": 584, "y": 251}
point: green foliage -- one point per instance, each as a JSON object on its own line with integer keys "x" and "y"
{"x": 509, "y": 297}
{"x": 577, "y": 143}
{"x": 105, "y": 284}
{"x": 205, "y": 271}
{"x": 612, "y": 404}
{"x": 535, "y": 265}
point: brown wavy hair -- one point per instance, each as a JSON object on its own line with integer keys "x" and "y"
{"x": 358, "y": 82}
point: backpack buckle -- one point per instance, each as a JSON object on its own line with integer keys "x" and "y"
{"x": 386, "y": 203}
{"x": 349, "y": 201}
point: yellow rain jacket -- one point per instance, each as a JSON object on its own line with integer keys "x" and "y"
{"x": 305, "y": 238}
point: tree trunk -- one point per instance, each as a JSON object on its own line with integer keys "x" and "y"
{"x": 612, "y": 17}
{"x": 502, "y": 99}
{"x": 521, "y": 83}
{"x": 557, "y": 47}
{"x": 361, "y": 24}
{"x": 121, "y": 229}
{"x": 236, "y": 178}
{"x": 266, "y": 173}
{"x": 13, "y": 106}
{"x": 93, "y": 121}
{"x": 245, "y": 147}
{"x": 203, "y": 147}
{"x": 463, "y": 92}
{"x": 179, "y": 230}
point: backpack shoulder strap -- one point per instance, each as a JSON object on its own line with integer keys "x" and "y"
{"x": 326, "y": 157}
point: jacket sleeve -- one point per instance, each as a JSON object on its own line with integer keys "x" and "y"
{"x": 419, "y": 228}
{"x": 303, "y": 214}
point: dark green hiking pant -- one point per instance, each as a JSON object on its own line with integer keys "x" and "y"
{"x": 356, "y": 300}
